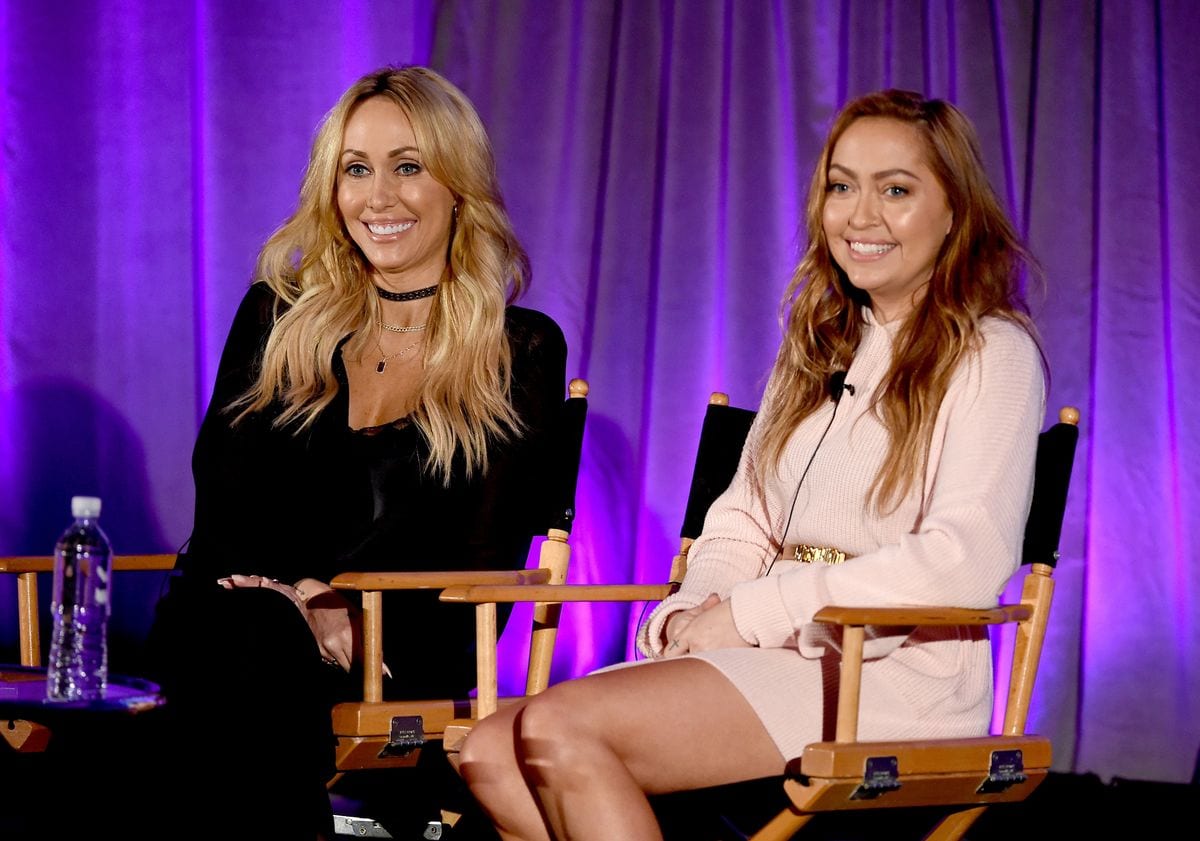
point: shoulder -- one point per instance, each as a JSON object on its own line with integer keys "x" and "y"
{"x": 1006, "y": 359}
{"x": 258, "y": 308}
{"x": 523, "y": 319}
{"x": 532, "y": 329}
{"x": 1005, "y": 342}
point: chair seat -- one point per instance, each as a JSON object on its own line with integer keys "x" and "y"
{"x": 828, "y": 775}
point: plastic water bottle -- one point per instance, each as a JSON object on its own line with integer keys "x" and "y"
{"x": 80, "y": 607}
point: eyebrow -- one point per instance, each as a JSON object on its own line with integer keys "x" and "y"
{"x": 392, "y": 154}
{"x": 886, "y": 173}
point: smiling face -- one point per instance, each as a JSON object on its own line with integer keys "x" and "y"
{"x": 885, "y": 215}
{"x": 394, "y": 210}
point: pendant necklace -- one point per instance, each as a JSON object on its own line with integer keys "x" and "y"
{"x": 383, "y": 360}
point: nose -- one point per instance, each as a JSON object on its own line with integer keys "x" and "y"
{"x": 382, "y": 195}
{"x": 866, "y": 210}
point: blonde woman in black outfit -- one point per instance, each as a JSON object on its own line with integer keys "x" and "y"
{"x": 380, "y": 404}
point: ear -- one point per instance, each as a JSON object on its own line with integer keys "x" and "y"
{"x": 950, "y": 225}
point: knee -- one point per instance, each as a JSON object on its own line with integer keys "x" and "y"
{"x": 551, "y": 727}
{"x": 489, "y": 740}
{"x": 543, "y": 722}
{"x": 548, "y": 716}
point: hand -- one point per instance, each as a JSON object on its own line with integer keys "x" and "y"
{"x": 335, "y": 626}
{"x": 250, "y": 582}
{"x": 712, "y": 627}
{"x": 327, "y": 612}
{"x": 678, "y": 621}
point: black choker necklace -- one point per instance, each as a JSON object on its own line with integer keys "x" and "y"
{"x": 414, "y": 295}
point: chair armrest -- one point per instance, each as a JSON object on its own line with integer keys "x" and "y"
{"x": 436, "y": 580}
{"x": 485, "y": 598}
{"x": 372, "y": 585}
{"x": 45, "y": 563}
{"x": 853, "y": 620}
{"x": 838, "y": 615}
{"x": 557, "y": 593}
{"x": 27, "y": 568}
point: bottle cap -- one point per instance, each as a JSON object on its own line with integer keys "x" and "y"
{"x": 85, "y": 507}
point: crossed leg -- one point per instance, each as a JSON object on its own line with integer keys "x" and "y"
{"x": 579, "y": 760}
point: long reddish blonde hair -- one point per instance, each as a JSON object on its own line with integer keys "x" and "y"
{"x": 977, "y": 273}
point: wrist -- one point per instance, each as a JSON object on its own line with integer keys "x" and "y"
{"x": 669, "y": 631}
{"x": 307, "y": 588}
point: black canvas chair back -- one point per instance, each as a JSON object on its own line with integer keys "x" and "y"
{"x": 722, "y": 437}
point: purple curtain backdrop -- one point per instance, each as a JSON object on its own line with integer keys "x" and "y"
{"x": 654, "y": 156}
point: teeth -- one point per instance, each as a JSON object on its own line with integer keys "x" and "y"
{"x": 871, "y": 247}
{"x": 385, "y": 230}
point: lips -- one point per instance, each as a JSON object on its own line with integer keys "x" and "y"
{"x": 381, "y": 229}
{"x": 870, "y": 249}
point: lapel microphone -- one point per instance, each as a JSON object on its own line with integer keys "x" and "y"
{"x": 838, "y": 384}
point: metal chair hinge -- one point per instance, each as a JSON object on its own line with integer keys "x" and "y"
{"x": 1007, "y": 770}
{"x": 881, "y": 776}
{"x": 407, "y": 735}
{"x": 348, "y": 825}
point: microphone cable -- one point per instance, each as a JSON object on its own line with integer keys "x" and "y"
{"x": 837, "y": 384}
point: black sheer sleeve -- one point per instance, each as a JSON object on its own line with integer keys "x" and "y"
{"x": 265, "y": 497}
{"x": 515, "y": 500}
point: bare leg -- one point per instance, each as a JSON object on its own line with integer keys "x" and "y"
{"x": 488, "y": 763}
{"x": 578, "y": 760}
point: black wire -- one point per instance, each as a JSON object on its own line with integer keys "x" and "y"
{"x": 800, "y": 484}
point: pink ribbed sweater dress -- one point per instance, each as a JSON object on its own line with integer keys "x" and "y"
{"x": 954, "y": 540}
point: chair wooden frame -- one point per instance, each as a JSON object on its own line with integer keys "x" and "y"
{"x": 965, "y": 775}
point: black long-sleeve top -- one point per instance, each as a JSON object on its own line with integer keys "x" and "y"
{"x": 330, "y": 499}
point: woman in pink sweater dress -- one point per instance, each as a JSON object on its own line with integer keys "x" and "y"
{"x": 919, "y": 471}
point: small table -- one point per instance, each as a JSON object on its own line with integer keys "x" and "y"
{"x": 27, "y": 718}
{"x": 108, "y": 736}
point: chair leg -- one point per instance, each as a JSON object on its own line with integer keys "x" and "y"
{"x": 952, "y": 827}
{"x": 782, "y": 827}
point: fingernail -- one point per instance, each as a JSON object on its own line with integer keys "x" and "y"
{"x": 225, "y": 582}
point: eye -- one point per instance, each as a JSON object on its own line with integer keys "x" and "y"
{"x": 408, "y": 168}
{"x": 837, "y": 187}
{"x": 895, "y": 191}
{"x": 357, "y": 170}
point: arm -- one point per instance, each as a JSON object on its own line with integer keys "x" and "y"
{"x": 967, "y": 543}
{"x": 266, "y": 502}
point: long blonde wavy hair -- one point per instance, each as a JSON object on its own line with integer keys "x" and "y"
{"x": 325, "y": 282}
{"x": 977, "y": 273}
